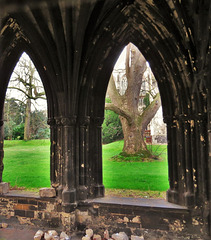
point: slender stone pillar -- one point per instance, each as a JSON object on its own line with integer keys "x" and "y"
{"x": 186, "y": 172}
{"x": 69, "y": 136}
{"x": 59, "y": 156}
{"x": 53, "y": 159}
{"x": 82, "y": 191}
{"x": 95, "y": 157}
{"x": 186, "y": 158}
{"x": 172, "y": 193}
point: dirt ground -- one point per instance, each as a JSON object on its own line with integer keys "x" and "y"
{"x": 24, "y": 233}
{"x": 17, "y": 234}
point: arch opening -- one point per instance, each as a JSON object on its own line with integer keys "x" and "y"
{"x": 137, "y": 167}
{"x": 26, "y": 133}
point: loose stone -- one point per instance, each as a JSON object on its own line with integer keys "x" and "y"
{"x": 96, "y": 237}
{"x": 120, "y": 236}
{"x": 89, "y": 233}
{"x": 38, "y": 235}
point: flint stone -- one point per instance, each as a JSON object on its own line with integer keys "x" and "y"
{"x": 52, "y": 233}
{"x": 47, "y": 192}
{"x": 38, "y": 235}
{"x": 47, "y": 236}
{"x": 89, "y": 232}
{"x": 106, "y": 234}
{"x": 86, "y": 238}
{"x": 96, "y": 237}
{"x": 64, "y": 236}
{"x": 120, "y": 236}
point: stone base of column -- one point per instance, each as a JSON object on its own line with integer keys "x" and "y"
{"x": 47, "y": 192}
{"x": 99, "y": 191}
{"x": 69, "y": 200}
{"x": 189, "y": 199}
{"x": 4, "y": 187}
{"x": 172, "y": 196}
{"x": 82, "y": 193}
{"x": 59, "y": 191}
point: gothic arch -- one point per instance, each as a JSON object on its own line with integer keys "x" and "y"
{"x": 75, "y": 46}
{"x": 183, "y": 108}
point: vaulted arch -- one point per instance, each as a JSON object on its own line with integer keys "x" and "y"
{"x": 74, "y": 46}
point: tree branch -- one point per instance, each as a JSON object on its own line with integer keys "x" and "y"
{"x": 150, "y": 111}
{"x": 113, "y": 93}
{"x": 19, "y": 89}
{"x": 119, "y": 111}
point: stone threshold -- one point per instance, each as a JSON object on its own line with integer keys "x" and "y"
{"x": 137, "y": 202}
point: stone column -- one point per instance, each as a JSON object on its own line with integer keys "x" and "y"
{"x": 186, "y": 169}
{"x": 53, "y": 160}
{"x": 95, "y": 157}
{"x": 201, "y": 172}
{"x": 59, "y": 156}
{"x": 83, "y": 157}
{"x": 172, "y": 193}
{"x": 69, "y": 136}
{"x": 187, "y": 151}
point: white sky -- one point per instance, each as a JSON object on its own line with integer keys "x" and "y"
{"x": 40, "y": 104}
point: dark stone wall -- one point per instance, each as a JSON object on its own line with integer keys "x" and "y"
{"x": 74, "y": 46}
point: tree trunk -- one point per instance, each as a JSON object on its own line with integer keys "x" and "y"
{"x": 133, "y": 137}
{"x": 27, "y": 120}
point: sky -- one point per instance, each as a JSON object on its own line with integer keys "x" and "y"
{"x": 40, "y": 104}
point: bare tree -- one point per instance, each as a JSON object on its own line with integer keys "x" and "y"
{"x": 133, "y": 119}
{"x": 26, "y": 81}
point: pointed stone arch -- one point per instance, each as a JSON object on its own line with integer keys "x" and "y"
{"x": 75, "y": 46}
{"x": 183, "y": 108}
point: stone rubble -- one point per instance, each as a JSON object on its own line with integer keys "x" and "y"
{"x": 3, "y": 225}
{"x": 116, "y": 236}
{"x": 50, "y": 235}
{"x": 53, "y": 235}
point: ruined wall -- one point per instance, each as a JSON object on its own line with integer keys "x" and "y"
{"x": 129, "y": 216}
{"x": 26, "y": 210}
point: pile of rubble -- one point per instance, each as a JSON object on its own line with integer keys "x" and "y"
{"x": 50, "y": 235}
{"x": 53, "y": 235}
{"x": 116, "y": 236}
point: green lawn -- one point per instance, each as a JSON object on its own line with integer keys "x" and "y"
{"x": 135, "y": 175}
{"x": 26, "y": 164}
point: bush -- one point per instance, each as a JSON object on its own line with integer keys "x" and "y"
{"x": 112, "y": 128}
{"x": 18, "y": 132}
{"x": 42, "y": 133}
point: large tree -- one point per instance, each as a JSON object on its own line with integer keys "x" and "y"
{"x": 26, "y": 81}
{"x": 133, "y": 119}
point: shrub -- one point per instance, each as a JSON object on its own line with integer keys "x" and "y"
{"x": 112, "y": 128}
{"x": 18, "y": 132}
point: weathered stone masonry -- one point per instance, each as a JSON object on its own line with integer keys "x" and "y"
{"x": 74, "y": 46}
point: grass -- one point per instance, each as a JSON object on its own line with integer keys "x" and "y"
{"x": 142, "y": 176}
{"x": 27, "y": 164}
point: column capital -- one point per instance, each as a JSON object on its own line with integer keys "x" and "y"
{"x": 58, "y": 121}
{"x": 68, "y": 121}
{"x": 84, "y": 120}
